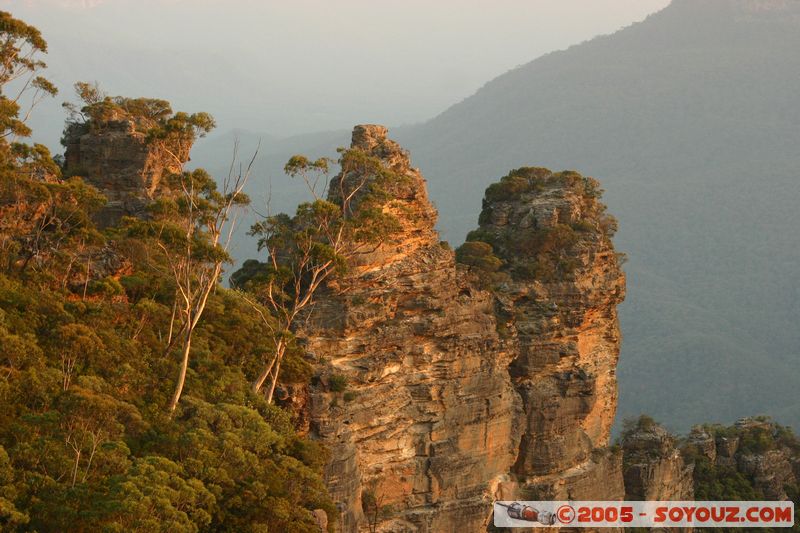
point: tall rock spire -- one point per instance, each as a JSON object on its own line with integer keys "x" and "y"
{"x": 437, "y": 391}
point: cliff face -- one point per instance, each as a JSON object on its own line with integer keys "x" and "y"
{"x": 654, "y": 466}
{"x": 114, "y": 156}
{"x": 559, "y": 308}
{"x": 456, "y": 395}
{"x": 426, "y": 424}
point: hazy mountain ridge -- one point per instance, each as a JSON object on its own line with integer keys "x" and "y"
{"x": 689, "y": 119}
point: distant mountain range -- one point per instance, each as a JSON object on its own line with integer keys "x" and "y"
{"x": 691, "y": 121}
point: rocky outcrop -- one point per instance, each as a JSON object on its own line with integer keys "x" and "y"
{"x": 438, "y": 391}
{"x": 558, "y": 308}
{"x": 702, "y": 443}
{"x": 764, "y": 458}
{"x": 726, "y": 447}
{"x": 115, "y": 157}
{"x": 426, "y": 425}
{"x": 755, "y": 458}
{"x": 654, "y": 466}
{"x": 771, "y": 471}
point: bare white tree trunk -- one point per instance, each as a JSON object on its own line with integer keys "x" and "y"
{"x": 279, "y": 351}
{"x": 274, "y": 381}
{"x": 187, "y": 346}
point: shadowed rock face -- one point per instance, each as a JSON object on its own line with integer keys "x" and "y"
{"x": 115, "y": 157}
{"x": 458, "y": 395}
{"x": 770, "y": 470}
{"x": 655, "y": 468}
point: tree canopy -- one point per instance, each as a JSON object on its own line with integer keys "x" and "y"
{"x": 87, "y": 366}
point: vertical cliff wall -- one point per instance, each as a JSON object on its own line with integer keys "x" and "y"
{"x": 558, "y": 304}
{"x": 439, "y": 388}
{"x": 115, "y": 156}
{"x": 654, "y": 468}
{"x": 426, "y": 423}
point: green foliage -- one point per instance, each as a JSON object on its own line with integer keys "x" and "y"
{"x": 584, "y": 226}
{"x": 545, "y": 253}
{"x": 298, "y": 165}
{"x": 155, "y": 494}
{"x": 306, "y": 251}
{"x": 349, "y": 396}
{"x": 245, "y": 463}
{"x": 479, "y": 256}
{"x": 45, "y": 221}
{"x": 538, "y": 253}
{"x": 757, "y": 441}
{"x": 150, "y": 115}
{"x": 22, "y": 45}
{"x": 188, "y": 231}
{"x": 337, "y": 383}
{"x": 85, "y": 365}
{"x": 528, "y": 180}
{"x": 98, "y": 109}
{"x": 251, "y": 269}
{"x": 721, "y": 482}
{"x": 10, "y": 516}
{"x": 518, "y": 182}
{"x": 187, "y": 221}
{"x": 87, "y": 440}
{"x": 324, "y": 233}
{"x": 304, "y": 242}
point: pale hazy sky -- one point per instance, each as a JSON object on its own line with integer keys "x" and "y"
{"x": 294, "y": 66}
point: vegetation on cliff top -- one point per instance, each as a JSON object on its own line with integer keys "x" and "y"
{"x": 715, "y": 480}
{"x": 152, "y": 116}
{"x": 722, "y": 476}
{"x": 545, "y": 253}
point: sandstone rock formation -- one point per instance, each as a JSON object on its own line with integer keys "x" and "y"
{"x": 461, "y": 390}
{"x": 702, "y": 443}
{"x": 654, "y": 466}
{"x": 558, "y": 308}
{"x": 755, "y": 458}
{"x": 771, "y": 469}
{"x": 114, "y": 156}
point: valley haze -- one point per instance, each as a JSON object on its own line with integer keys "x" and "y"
{"x": 534, "y": 251}
{"x": 688, "y": 118}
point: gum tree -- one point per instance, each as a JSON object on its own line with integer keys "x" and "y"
{"x": 193, "y": 231}
{"x": 305, "y": 251}
{"x": 21, "y": 86}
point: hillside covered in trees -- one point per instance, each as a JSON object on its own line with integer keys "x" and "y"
{"x": 98, "y": 430}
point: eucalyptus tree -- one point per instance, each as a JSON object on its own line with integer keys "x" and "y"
{"x": 306, "y": 251}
